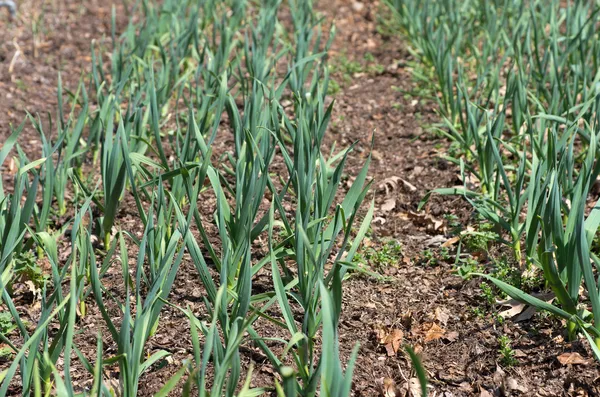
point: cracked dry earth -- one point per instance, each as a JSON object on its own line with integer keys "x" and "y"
{"x": 414, "y": 299}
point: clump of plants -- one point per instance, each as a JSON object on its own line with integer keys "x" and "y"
{"x": 517, "y": 95}
{"x": 159, "y": 100}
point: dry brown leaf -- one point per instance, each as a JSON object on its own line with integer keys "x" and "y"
{"x": 12, "y": 167}
{"x": 523, "y": 311}
{"x": 571, "y": 359}
{"x": 415, "y": 387}
{"x": 423, "y": 219}
{"x": 392, "y": 183}
{"x": 389, "y": 184}
{"x": 442, "y": 316}
{"x": 469, "y": 181}
{"x": 451, "y": 242}
{"x": 435, "y": 241}
{"x": 526, "y": 315}
{"x": 379, "y": 220}
{"x": 388, "y": 387}
{"x": 451, "y": 336}
{"x": 520, "y": 353}
{"x": 433, "y": 332}
{"x": 409, "y": 186}
{"x": 406, "y": 320}
{"x": 388, "y": 205}
{"x": 392, "y": 340}
{"x": 516, "y": 307}
{"x": 418, "y": 349}
{"x": 376, "y": 155}
{"x": 513, "y": 384}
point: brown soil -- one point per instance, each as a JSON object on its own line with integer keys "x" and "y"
{"x": 422, "y": 303}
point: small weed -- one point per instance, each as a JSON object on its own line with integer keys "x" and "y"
{"x": 7, "y": 324}
{"x": 488, "y": 293}
{"x": 531, "y": 280}
{"x": 478, "y": 312}
{"x": 499, "y": 319}
{"x": 388, "y": 254}
{"x": 479, "y": 241}
{"x": 454, "y": 224}
{"x": 507, "y": 354}
{"x": 375, "y": 69}
{"x": 445, "y": 254}
{"x": 505, "y": 271}
{"x": 429, "y": 257}
{"x": 27, "y": 268}
{"x": 348, "y": 68}
{"x": 21, "y": 85}
{"x": 468, "y": 265}
{"x": 6, "y": 353}
{"x": 387, "y": 24}
{"x": 333, "y": 88}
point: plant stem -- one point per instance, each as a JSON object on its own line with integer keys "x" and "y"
{"x": 572, "y": 331}
{"x": 106, "y": 240}
{"x": 518, "y": 255}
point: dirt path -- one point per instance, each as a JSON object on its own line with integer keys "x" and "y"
{"x": 417, "y": 299}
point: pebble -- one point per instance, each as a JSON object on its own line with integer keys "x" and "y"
{"x": 358, "y": 6}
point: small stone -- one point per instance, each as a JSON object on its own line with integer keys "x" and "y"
{"x": 358, "y": 6}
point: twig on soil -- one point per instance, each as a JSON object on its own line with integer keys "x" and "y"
{"x": 15, "y": 56}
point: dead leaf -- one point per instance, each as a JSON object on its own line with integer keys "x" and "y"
{"x": 406, "y": 320}
{"x": 451, "y": 242}
{"x": 499, "y": 376}
{"x": 12, "y": 167}
{"x": 451, "y": 336}
{"x": 512, "y": 384}
{"x": 470, "y": 182}
{"x": 376, "y": 155}
{"x": 34, "y": 290}
{"x": 409, "y": 186}
{"x": 418, "y": 349}
{"x": 442, "y": 316}
{"x": 392, "y": 340}
{"x": 388, "y": 205}
{"x": 526, "y": 315}
{"x": 523, "y": 311}
{"x": 388, "y": 387}
{"x": 485, "y": 393}
{"x": 415, "y": 387}
{"x": 572, "y": 359}
{"x": 379, "y": 220}
{"x": 435, "y": 241}
{"x": 392, "y": 183}
{"x": 516, "y": 308}
{"x": 434, "y": 332}
{"x": 389, "y": 184}
{"x": 423, "y": 219}
{"x": 520, "y": 353}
